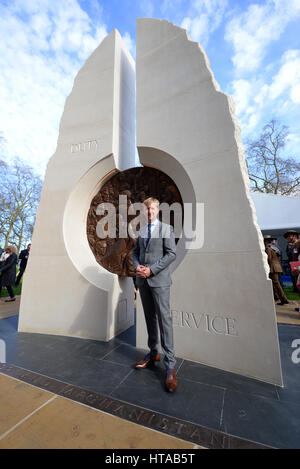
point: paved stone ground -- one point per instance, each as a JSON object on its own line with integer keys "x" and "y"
{"x": 287, "y": 315}
{"x": 32, "y": 418}
{"x": 217, "y": 408}
{"x": 9, "y": 309}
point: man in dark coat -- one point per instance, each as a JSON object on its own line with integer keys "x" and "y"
{"x": 24, "y": 258}
{"x": 8, "y": 272}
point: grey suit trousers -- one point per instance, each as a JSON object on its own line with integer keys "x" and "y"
{"x": 156, "y": 304}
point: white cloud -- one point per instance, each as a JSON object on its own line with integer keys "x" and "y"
{"x": 252, "y": 32}
{"x": 265, "y": 86}
{"x": 203, "y": 18}
{"x": 246, "y": 94}
{"x": 43, "y": 45}
{"x": 129, "y": 43}
{"x": 242, "y": 93}
{"x": 288, "y": 77}
{"x": 147, "y": 7}
{"x": 283, "y": 88}
{"x": 280, "y": 95}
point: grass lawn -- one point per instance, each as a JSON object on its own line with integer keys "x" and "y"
{"x": 290, "y": 294}
{"x": 17, "y": 290}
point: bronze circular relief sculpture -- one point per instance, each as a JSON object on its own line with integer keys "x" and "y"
{"x": 137, "y": 184}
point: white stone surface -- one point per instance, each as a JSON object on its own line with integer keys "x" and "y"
{"x": 221, "y": 297}
{"x": 65, "y": 291}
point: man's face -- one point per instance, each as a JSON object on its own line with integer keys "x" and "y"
{"x": 291, "y": 238}
{"x": 152, "y": 212}
{"x": 28, "y": 247}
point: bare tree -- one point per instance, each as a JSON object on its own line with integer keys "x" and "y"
{"x": 269, "y": 171}
{"x": 19, "y": 197}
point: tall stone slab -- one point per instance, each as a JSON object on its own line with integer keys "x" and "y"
{"x": 65, "y": 291}
{"x": 221, "y": 298}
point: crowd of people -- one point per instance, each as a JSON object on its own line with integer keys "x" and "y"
{"x": 274, "y": 259}
{"x": 8, "y": 269}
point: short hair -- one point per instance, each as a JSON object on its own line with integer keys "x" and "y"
{"x": 151, "y": 200}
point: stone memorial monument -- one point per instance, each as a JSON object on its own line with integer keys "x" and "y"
{"x": 221, "y": 297}
{"x": 190, "y": 149}
{"x": 65, "y": 290}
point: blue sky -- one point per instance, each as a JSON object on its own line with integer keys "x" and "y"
{"x": 253, "y": 47}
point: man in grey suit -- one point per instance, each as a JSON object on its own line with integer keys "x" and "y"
{"x": 154, "y": 251}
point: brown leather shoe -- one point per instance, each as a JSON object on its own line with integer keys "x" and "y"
{"x": 171, "y": 380}
{"x": 147, "y": 361}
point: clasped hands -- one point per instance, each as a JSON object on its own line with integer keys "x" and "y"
{"x": 143, "y": 271}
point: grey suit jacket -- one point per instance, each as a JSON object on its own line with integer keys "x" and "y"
{"x": 159, "y": 254}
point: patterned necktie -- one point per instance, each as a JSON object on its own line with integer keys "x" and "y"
{"x": 149, "y": 234}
